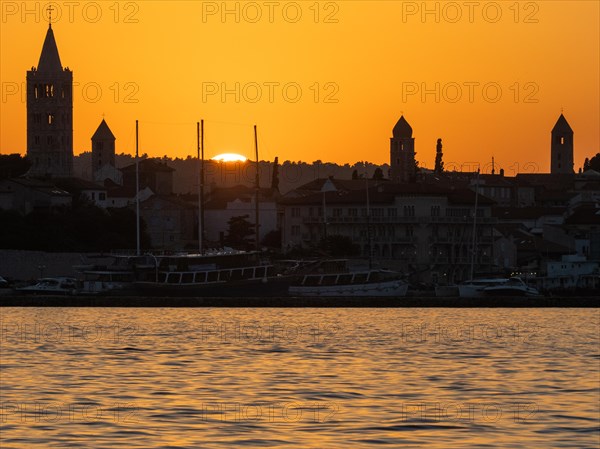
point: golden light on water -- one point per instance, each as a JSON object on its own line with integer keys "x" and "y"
{"x": 230, "y": 157}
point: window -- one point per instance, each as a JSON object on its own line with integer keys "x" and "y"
{"x": 36, "y": 139}
{"x": 377, "y": 212}
{"x": 353, "y": 212}
{"x": 36, "y": 91}
{"x": 102, "y": 196}
{"x": 562, "y": 140}
{"x": 49, "y": 140}
{"x": 50, "y": 119}
{"x": 409, "y": 231}
{"x": 435, "y": 211}
{"x": 337, "y": 212}
{"x": 295, "y": 211}
{"x": 295, "y": 230}
{"x": 392, "y": 212}
{"x": 409, "y": 211}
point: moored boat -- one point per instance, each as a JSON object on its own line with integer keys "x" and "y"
{"x": 113, "y": 278}
{"x": 333, "y": 278}
{"x": 51, "y": 286}
{"x": 365, "y": 283}
{"x": 221, "y": 273}
{"x": 513, "y": 286}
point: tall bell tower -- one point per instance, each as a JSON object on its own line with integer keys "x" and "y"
{"x": 561, "y": 147}
{"x": 402, "y": 153}
{"x": 50, "y": 113}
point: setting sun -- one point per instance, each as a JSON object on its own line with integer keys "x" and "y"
{"x": 230, "y": 157}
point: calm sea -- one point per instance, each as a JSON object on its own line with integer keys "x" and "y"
{"x": 299, "y": 378}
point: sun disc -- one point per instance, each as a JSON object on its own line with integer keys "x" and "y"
{"x": 229, "y": 157}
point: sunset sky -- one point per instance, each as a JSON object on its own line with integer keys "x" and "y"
{"x": 334, "y": 77}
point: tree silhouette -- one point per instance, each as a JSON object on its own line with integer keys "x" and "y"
{"x": 275, "y": 175}
{"x": 13, "y": 165}
{"x": 240, "y": 232}
{"x": 339, "y": 246}
{"x": 378, "y": 174}
{"x": 439, "y": 163}
{"x": 272, "y": 239}
{"x": 592, "y": 164}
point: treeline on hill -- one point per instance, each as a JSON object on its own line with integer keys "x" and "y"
{"x": 290, "y": 174}
{"x": 85, "y": 228}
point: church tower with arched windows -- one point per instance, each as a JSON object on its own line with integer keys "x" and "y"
{"x": 103, "y": 147}
{"x": 50, "y": 114}
{"x": 561, "y": 147}
{"x": 402, "y": 153}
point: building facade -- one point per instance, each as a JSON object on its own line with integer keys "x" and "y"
{"x": 425, "y": 231}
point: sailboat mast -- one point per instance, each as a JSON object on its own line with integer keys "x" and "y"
{"x": 473, "y": 249}
{"x": 200, "y": 148}
{"x": 256, "y": 225}
{"x": 368, "y": 219}
{"x": 137, "y": 190}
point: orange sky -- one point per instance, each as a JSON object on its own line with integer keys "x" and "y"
{"x": 358, "y": 65}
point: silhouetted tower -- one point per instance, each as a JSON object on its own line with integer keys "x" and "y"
{"x": 402, "y": 153}
{"x": 50, "y": 114}
{"x": 561, "y": 147}
{"x": 103, "y": 147}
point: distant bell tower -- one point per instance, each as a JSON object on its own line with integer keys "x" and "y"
{"x": 103, "y": 147}
{"x": 402, "y": 153}
{"x": 50, "y": 113}
{"x": 561, "y": 147}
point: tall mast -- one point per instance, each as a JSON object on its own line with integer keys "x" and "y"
{"x": 256, "y": 225}
{"x": 137, "y": 189}
{"x": 473, "y": 249}
{"x": 200, "y": 145}
{"x": 368, "y": 219}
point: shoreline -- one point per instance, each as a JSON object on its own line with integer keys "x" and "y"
{"x": 300, "y": 302}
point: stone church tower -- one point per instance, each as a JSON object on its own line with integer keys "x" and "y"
{"x": 561, "y": 147}
{"x": 402, "y": 153}
{"x": 50, "y": 114}
{"x": 103, "y": 147}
